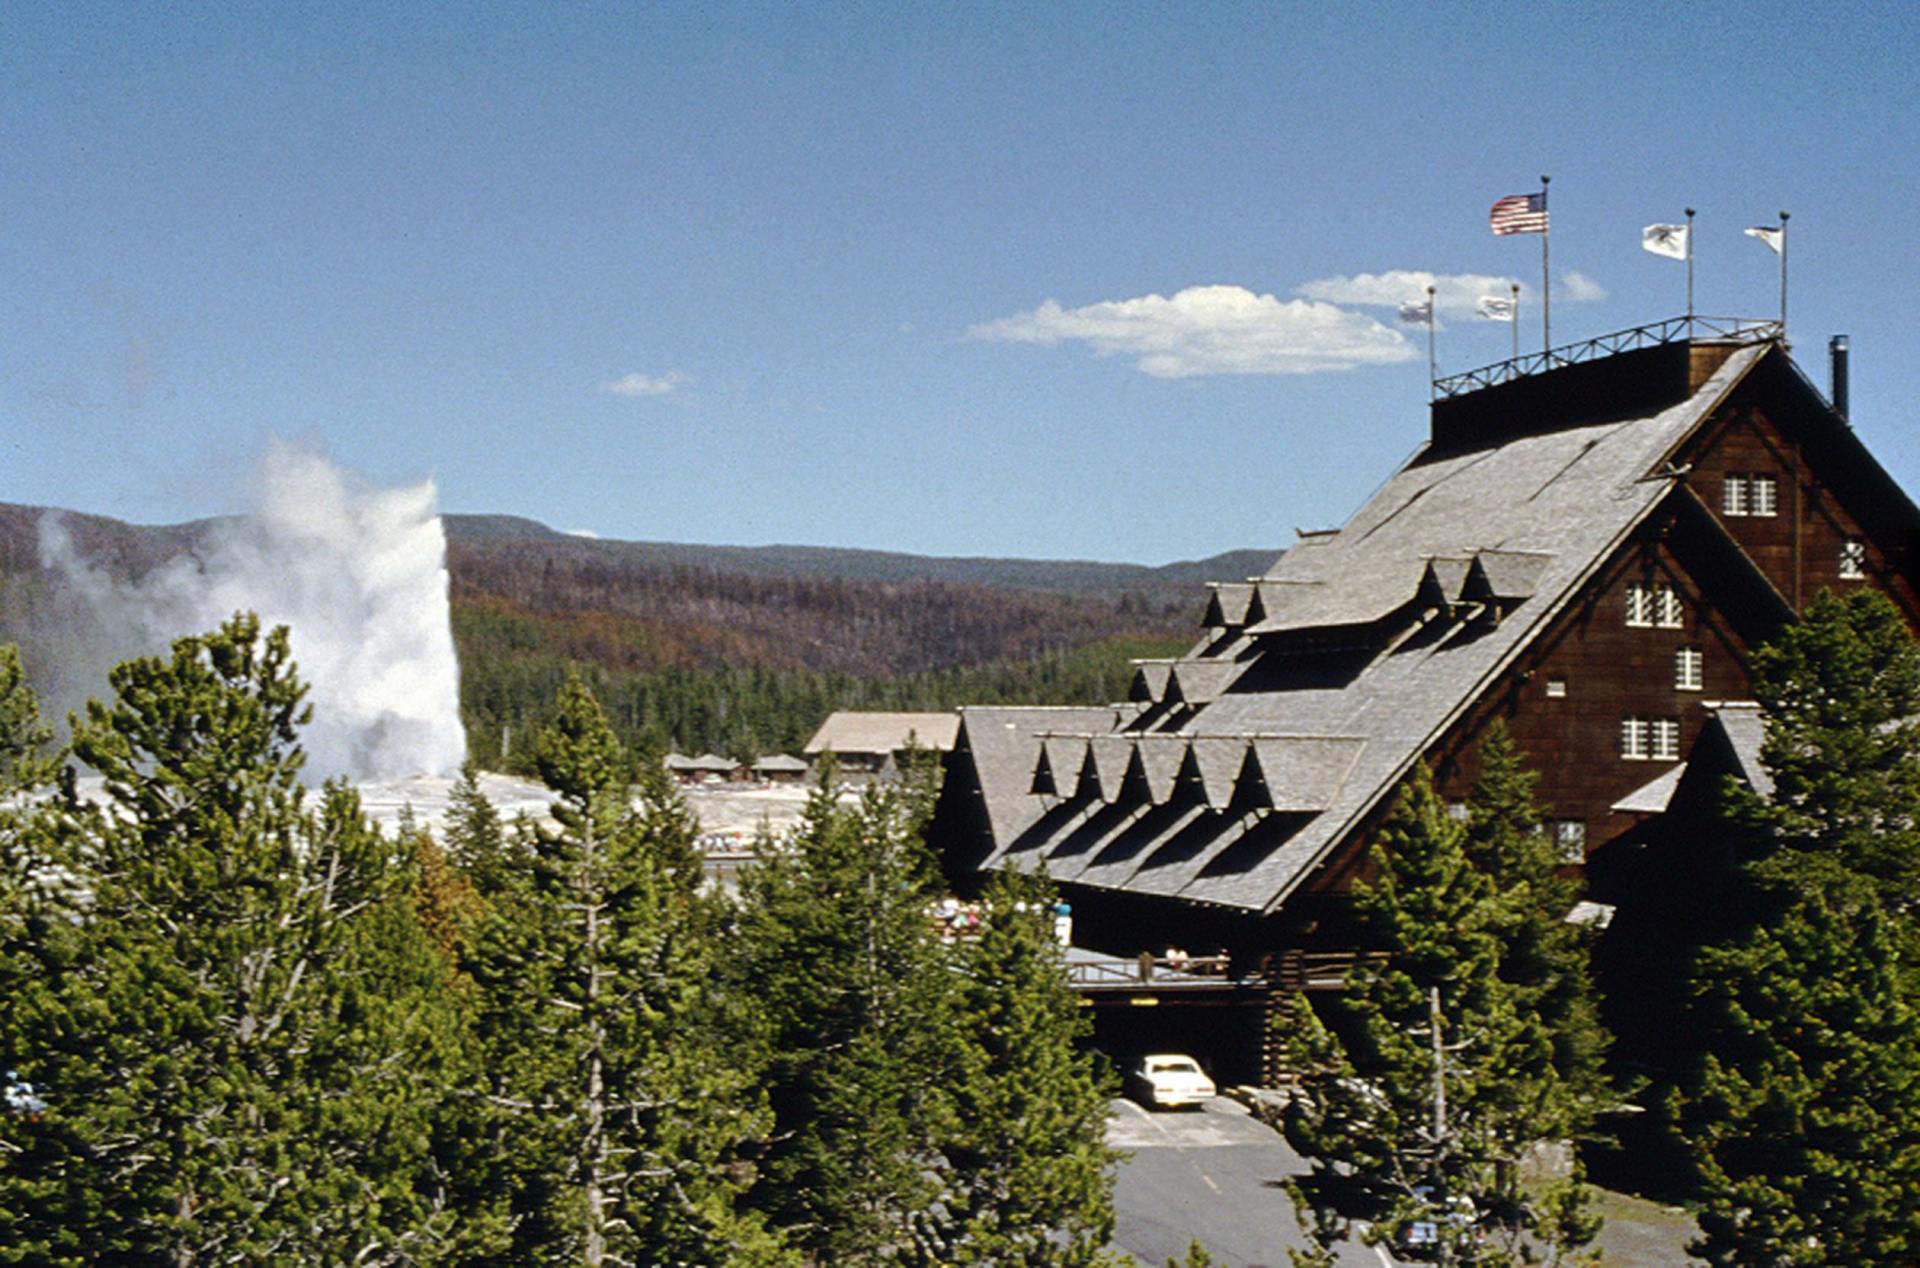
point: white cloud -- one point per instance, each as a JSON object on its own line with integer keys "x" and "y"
{"x": 1580, "y": 288}
{"x": 587, "y": 533}
{"x": 1456, "y": 293}
{"x": 1206, "y": 330}
{"x": 638, "y": 384}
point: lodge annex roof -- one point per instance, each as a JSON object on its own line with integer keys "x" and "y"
{"x": 1234, "y": 770}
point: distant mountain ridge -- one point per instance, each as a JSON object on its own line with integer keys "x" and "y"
{"x": 140, "y": 546}
{"x": 1065, "y": 576}
{"x": 743, "y": 646}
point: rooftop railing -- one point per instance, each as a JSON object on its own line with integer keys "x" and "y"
{"x": 1742, "y": 330}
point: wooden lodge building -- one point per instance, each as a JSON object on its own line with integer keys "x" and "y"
{"x": 1588, "y": 546}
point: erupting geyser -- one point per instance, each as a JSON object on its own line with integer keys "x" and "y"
{"x": 358, "y": 574}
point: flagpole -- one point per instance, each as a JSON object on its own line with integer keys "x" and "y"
{"x": 1433, "y": 364}
{"x": 1515, "y": 287}
{"x": 1689, "y": 272}
{"x": 1546, "y": 276}
{"x": 1783, "y": 278}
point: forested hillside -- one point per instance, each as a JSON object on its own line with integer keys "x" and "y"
{"x": 737, "y": 649}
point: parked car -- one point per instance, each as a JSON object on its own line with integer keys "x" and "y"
{"x": 1455, "y": 1216}
{"x": 1168, "y": 1079}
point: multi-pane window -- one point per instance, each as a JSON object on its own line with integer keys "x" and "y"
{"x": 1750, "y": 495}
{"x": 1657, "y": 605}
{"x": 1853, "y": 559}
{"x": 1667, "y": 611}
{"x": 1650, "y": 739}
{"x": 1571, "y": 836}
{"x": 1556, "y": 688}
{"x": 1639, "y": 604}
{"x": 1689, "y": 665}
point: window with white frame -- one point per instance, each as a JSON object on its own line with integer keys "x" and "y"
{"x": 1556, "y": 688}
{"x": 1689, "y": 666}
{"x": 1853, "y": 559}
{"x": 1667, "y": 609}
{"x": 1734, "y": 496}
{"x": 1650, "y": 739}
{"x": 1639, "y": 604}
{"x": 1571, "y": 836}
{"x": 1766, "y": 495}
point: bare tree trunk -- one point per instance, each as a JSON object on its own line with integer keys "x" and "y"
{"x": 594, "y": 1251}
{"x": 182, "y": 1255}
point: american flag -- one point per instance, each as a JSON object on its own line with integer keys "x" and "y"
{"x": 1520, "y": 213}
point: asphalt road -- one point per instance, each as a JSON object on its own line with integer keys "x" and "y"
{"x": 1213, "y": 1174}
{"x": 1210, "y": 1173}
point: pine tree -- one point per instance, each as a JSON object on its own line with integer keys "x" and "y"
{"x": 856, "y": 1001}
{"x": 1804, "y": 1115}
{"x": 225, "y": 1021}
{"x": 1029, "y": 1170}
{"x": 23, "y": 736}
{"x": 1841, "y": 695}
{"x": 1543, "y": 958}
{"x": 31, "y": 908}
{"x": 1419, "y": 1111}
{"x": 474, "y": 832}
{"x": 620, "y": 1117}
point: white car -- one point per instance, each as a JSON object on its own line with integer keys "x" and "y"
{"x": 1167, "y": 1079}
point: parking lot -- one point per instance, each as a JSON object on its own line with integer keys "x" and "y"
{"x": 1214, "y": 1172}
{"x": 1211, "y": 1173}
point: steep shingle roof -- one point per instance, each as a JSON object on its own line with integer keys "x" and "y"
{"x": 1228, "y": 604}
{"x": 1341, "y": 680}
{"x": 853, "y": 732}
{"x": 1652, "y": 797}
{"x": 1746, "y": 729}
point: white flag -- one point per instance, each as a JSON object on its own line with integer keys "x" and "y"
{"x": 1417, "y": 314}
{"x": 1667, "y": 240}
{"x": 1772, "y": 235}
{"x": 1495, "y": 308}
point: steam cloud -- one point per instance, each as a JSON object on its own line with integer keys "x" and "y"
{"x": 357, "y": 573}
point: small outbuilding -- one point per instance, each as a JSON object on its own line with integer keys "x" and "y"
{"x": 705, "y": 769}
{"x": 779, "y": 768}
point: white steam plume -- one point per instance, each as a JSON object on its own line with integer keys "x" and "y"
{"x": 357, "y": 573}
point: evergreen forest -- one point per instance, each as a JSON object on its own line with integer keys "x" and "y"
{"x": 244, "y": 1025}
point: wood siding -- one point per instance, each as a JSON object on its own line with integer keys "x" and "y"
{"x": 1799, "y": 546}
{"x": 1612, "y": 671}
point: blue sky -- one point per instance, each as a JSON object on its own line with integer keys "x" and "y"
{"x": 1064, "y": 280}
